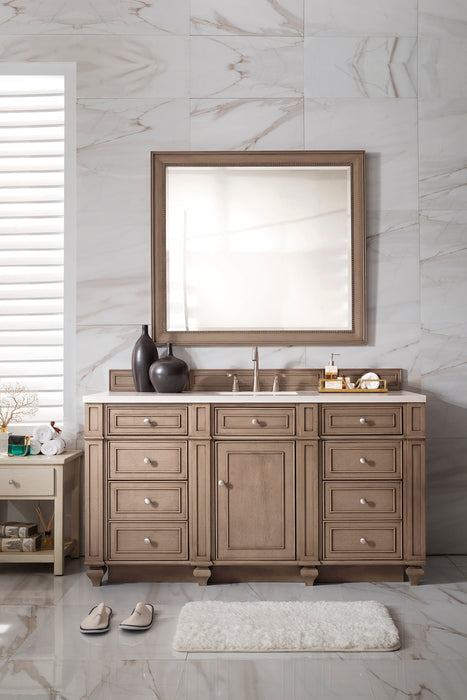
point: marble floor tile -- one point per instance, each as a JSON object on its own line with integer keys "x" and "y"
{"x": 243, "y": 67}
{"x": 263, "y": 17}
{"x": 370, "y": 67}
{"x": 386, "y": 130}
{"x": 246, "y": 124}
{"x": 365, "y": 18}
{"x": 43, "y": 654}
{"x": 443, "y": 175}
{"x": 95, "y": 17}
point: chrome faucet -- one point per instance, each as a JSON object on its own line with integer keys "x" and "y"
{"x": 255, "y": 370}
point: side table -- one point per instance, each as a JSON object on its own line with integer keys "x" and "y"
{"x": 44, "y": 478}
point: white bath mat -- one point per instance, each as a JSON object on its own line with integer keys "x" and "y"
{"x": 291, "y": 626}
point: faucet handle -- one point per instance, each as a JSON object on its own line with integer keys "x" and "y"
{"x": 275, "y": 384}
{"x": 255, "y": 354}
{"x": 235, "y": 386}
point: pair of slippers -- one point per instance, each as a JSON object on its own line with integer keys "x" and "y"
{"x": 98, "y": 620}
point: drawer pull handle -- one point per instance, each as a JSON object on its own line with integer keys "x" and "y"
{"x": 364, "y": 502}
{"x": 11, "y": 482}
{"x": 362, "y": 460}
{"x": 255, "y": 421}
{"x": 147, "y": 501}
{"x": 363, "y": 540}
{"x": 147, "y": 540}
{"x": 149, "y": 421}
{"x": 363, "y": 421}
{"x": 146, "y": 460}
{"x": 221, "y": 482}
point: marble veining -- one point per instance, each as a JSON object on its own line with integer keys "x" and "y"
{"x": 43, "y": 654}
{"x": 266, "y": 17}
{"x": 362, "y": 18}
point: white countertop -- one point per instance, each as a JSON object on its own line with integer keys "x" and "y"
{"x": 221, "y": 397}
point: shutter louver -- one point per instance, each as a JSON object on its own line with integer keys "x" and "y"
{"x": 32, "y": 124}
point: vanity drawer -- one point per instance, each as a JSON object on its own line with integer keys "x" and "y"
{"x": 16, "y": 482}
{"x": 362, "y": 500}
{"x": 362, "y": 420}
{"x": 257, "y": 420}
{"x": 148, "y": 542}
{"x": 362, "y": 540}
{"x": 142, "y": 500}
{"x": 147, "y": 420}
{"x": 144, "y": 460}
{"x": 362, "y": 459}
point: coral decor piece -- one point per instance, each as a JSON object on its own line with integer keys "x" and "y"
{"x": 16, "y": 402}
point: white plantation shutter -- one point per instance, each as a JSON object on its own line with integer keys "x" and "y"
{"x": 32, "y": 152}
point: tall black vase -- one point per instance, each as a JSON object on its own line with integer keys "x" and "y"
{"x": 144, "y": 354}
{"x": 169, "y": 374}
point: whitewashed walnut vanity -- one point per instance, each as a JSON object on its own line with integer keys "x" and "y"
{"x": 229, "y": 486}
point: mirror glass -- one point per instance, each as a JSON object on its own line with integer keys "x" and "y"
{"x": 263, "y": 248}
{"x": 245, "y": 245}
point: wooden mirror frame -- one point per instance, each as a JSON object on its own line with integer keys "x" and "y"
{"x": 161, "y": 160}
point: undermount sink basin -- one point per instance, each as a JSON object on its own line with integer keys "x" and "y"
{"x": 256, "y": 393}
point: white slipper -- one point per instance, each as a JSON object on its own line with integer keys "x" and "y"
{"x": 140, "y": 619}
{"x": 97, "y": 621}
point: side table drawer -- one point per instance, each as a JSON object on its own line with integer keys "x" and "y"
{"x": 147, "y": 501}
{"x": 148, "y": 542}
{"x": 363, "y": 541}
{"x": 17, "y": 482}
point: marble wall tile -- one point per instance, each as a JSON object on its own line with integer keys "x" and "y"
{"x": 393, "y": 279}
{"x": 246, "y": 67}
{"x": 386, "y": 130}
{"x": 263, "y": 17}
{"x": 362, "y": 18}
{"x": 442, "y": 18}
{"x": 94, "y": 17}
{"x": 111, "y": 66}
{"x": 440, "y": 67}
{"x": 446, "y": 494}
{"x": 246, "y": 124}
{"x": 443, "y": 172}
{"x": 360, "y": 67}
{"x": 240, "y": 357}
{"x": 115, "y": 138}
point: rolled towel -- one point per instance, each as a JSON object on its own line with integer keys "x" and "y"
{"x": 44, "y": 433}
{"x": 53, "y": 447}
{"x": 34, "y": 447}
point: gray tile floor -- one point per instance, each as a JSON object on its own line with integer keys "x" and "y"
{"x": 43, "y": 654}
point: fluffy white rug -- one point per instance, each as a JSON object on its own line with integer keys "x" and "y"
{"x": 290, "y": 626}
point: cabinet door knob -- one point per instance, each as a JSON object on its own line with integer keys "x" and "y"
{"x": 363, "y": 421}
{"x": 255, "y": 421}
{"x": 146, "y": 460}
{"x": 362, "y": 540}
{"x": 147, "y": 501}
{"x": 147, "y": 540}
{"x": 363, "y": 501}
{"x": 221, "y": 482}
{"x": 362, "y": 460}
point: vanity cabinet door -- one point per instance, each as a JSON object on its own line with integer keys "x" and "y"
{"x": 255, "y": 483}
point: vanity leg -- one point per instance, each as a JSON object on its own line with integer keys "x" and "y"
{"x": 309, "y": 574}
{"x": 202, "y": 575}
{"x": 96, "y": 574}
{"x": 414, "y": 574}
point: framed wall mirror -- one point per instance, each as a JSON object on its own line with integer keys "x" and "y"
{"x": 258, "y": 248}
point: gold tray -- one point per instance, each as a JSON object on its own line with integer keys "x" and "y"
{"x": 381, "y": 389}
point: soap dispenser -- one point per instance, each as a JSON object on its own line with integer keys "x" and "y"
{"x": 330, "y": 371}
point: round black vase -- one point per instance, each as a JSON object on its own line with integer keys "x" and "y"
{"x": 144, "y": 354}
{"x": 169, "y": 374}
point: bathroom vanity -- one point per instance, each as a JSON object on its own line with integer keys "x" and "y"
{"x": 224, "y": 486}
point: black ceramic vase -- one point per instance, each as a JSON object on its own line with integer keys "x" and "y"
{"x": 169, "y": 374}
{"x": 144, "y": 354}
